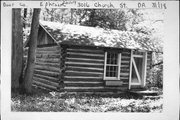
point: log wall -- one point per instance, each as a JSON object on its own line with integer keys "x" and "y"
{"x": 85, "y": 70}
{"x": 47, "y": 67}
{"x": 74, "y": 69}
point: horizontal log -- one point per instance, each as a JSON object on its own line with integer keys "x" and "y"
{"x": 44, "y": 85}
{"x": 114, "y": 83}
{"x": 124, "y": 74}
{"x": 83, "y": 85}
{"x": 49, "y": 73}
{"x": 125, "y": 62}
{"x": 50, "y": 60}
{"x": 96, "y": 89}
{"x": 55, "y": 84}
{"x": 100, "y": 91}
{"x": 86, "y": 51}
{"x": 85, "y": 74}
{"x": 85, "y": 60}
{"x": 48, "y": 55}
{"x": 54, "y": 79}
{"x": 127, "y": 77}
{"x": 86, "y": 63}
{"x": 125, "y": 66}
{"x": 84, "y": 56}
{"x": 94, "y": 65}
{"x": 85, "y": 82}
{"x": 127, "y": 56}
{"x": 125, "y": 59}
{"x": 85, "y": 69}
{"x": 125, "y": 53}
{"x": 53, "y": 48}
{"x": 124, "y": 70}
{"x": 83, "y": 88}
{"x": 41, "y": 87}
{"x": 48, "y": 64}
{"x": 39, "y": 55}
{"x": 48, "y": 68}
{"x": 125, "y": 80}
{"x": 82, "y": 77}
{"x": 48, "y": 52}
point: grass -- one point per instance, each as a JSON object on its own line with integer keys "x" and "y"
{"x": 80, "y": 102}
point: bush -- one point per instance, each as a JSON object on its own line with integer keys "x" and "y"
{"x": 155, "y": 77}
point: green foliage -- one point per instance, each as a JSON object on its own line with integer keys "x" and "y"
{"x": 64, "y": 102}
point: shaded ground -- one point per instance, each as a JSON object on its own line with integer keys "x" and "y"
{"x": 65, "y": 102}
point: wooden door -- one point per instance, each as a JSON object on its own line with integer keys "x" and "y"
{"x": 138, "y": 68}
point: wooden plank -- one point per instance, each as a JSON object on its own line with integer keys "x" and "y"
{"x": 49, "y": 68}
{"x": 87, "y": 74}
{"x": 83, "y": 85}
{"x": 84, "y": 60}
{"x": 41, "y": 87}
{"x": 39, "y": 55}
{"x": 86, "y": 51}
{"x": 49, "y": 73}
{"x": 114, "y": 83}
{"x": 86, "y": 79}
{"x": 124, "y": 74}
{"x": 55, "y": 84}
{"x": 126, "y": 56}
{"x": 48, "y": 64}
{"x": 48, "y": 55}
{"x": 125, "y": 62}
{"x": 83, "y": 88}
{"x": 84, "y": 82}
{"x": 84, "y": 68}
{"x": 125, "y": 66}
{"x": 54, "y": 48}
{"x": 87, "y": 63}
{"x": 48, "y": 52}
{"x": 44, "y": 85}
{"x": 54, "y": 79}
{"x": 94, "y": 65}
{"x": 50, "y": 60}
{"x": 82, "y": 77}
{"x": 84, "y": 72}
{"x": 136, "y": 70}
{"x": 84, "y": 56}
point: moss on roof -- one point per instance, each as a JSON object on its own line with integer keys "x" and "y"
{"x": 84, "y": 35}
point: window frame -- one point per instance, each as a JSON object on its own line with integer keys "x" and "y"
{"x": 118, "y": 65}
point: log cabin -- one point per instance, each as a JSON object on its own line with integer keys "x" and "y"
{"x": 90, "y": 59}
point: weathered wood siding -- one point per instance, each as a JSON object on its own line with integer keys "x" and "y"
{"x": 47, "y": 67}
{"x": 125, "y": 67}
{"x": 44, "y": 38}
{"x": 84, "y": 69}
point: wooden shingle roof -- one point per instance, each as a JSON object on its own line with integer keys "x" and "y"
{"x": 84, "y": 35}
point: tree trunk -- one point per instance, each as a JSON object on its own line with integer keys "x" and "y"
{"x": 27, "y": 83}
{"x": 17, "y": 48}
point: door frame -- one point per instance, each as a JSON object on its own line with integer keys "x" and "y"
{"x": 143, "y": 80}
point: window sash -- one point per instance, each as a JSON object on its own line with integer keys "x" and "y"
{"x": 115, "y": 65}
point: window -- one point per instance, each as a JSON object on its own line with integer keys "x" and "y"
{"x": 112, "y": 66}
